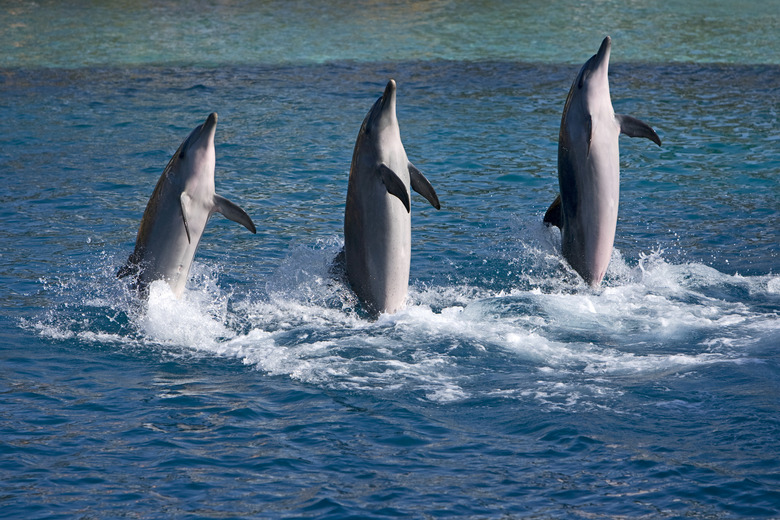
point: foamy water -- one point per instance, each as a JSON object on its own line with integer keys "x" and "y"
{"x": 652, "y": 319}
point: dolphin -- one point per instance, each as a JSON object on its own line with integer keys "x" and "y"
{"x": 377, "y": 217}
{"x": 586, "y": 209}
{"x": 176, "y": 214}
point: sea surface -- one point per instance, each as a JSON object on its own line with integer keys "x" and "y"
{"x": 506, "y": 388}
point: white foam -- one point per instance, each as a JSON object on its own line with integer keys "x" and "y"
{"x": 192, "y": 321}
{"x": 567, "y": 344}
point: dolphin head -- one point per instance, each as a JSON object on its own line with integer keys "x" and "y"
{"x": 200, "y": 141}
{"x": 381, "y": 118}
{"x": 195, "y": 159}
{"x": 588, "y": 104}
{"x": 592, "y": 82}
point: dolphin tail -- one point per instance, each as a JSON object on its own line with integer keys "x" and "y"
{"x": 233, "y": 212}
{"x": 395, "y": 186}
{"x": 421, "y": 185}
{"x": 553, "y": 215}
{"x": 633, "y": 127}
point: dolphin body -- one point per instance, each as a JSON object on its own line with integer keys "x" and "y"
{"x": 177, "y": 212}
{"x": 586, "y": 209}
{"x": 377, "y": 217}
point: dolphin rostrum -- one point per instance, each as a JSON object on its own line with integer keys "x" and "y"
{"x": 177, "y": 212}
{"x": 377, "y": 217}
{"x": 586, "y": 209}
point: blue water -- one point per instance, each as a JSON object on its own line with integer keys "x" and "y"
{"x": 506, "y": 388}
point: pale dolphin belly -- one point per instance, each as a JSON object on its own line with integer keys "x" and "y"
{"x": 171, "y": 253}
{"x": 378, "y": 247}
{"x": 588, "y": 237}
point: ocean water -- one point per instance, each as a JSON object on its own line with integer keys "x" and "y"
{"x": 506, "y": 388}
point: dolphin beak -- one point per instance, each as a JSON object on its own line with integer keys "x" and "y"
{"x": 598, "y": 64}
{"x": 210, "y": 126}
{"x": 390, "y": 88}
{"x": 604, "y": 50}
{"x": 388, "y": 98}
{"x": 208, "y": 130}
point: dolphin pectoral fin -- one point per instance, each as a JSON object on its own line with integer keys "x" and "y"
{"x": 233, "y": 212}
{"x": 590, "y": 132}
{"x": 421, "y": 185}
{"x": 127, "y": 269}
{"x": 185, "y": 201}
{"x": 553, "y": 215}
{"x": 633, "y": 127}
{"x": 133, "y": 264}
{"x": 395, "y": 186}
{"x": 338, "y": 266}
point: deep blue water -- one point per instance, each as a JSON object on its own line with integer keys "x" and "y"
{"x": 506, "y": 388}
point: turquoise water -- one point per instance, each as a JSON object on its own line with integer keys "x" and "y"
{"x": 213, "y": 34}
{"x": 506, "y": 388}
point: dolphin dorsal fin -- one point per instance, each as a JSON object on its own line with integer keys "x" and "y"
{"x": 233, "y": 212}
{"x": 421, "y": 185}
{"x": 553, "y": 215}
{"x": 185, "y": 202}
{"x": 633, "y": 127}
{"x": 394, "y": 185}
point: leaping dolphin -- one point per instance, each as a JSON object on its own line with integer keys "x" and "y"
{"x": 377, "y": 218}
{"x": 177, "y": 212}
{"x": 589, "y": 169}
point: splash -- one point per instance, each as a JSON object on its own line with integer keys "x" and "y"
{"x": 562, "y": 344}
{"x": 195, "y": 320}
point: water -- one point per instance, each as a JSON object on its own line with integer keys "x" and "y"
{"x": 506, "y": 388}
